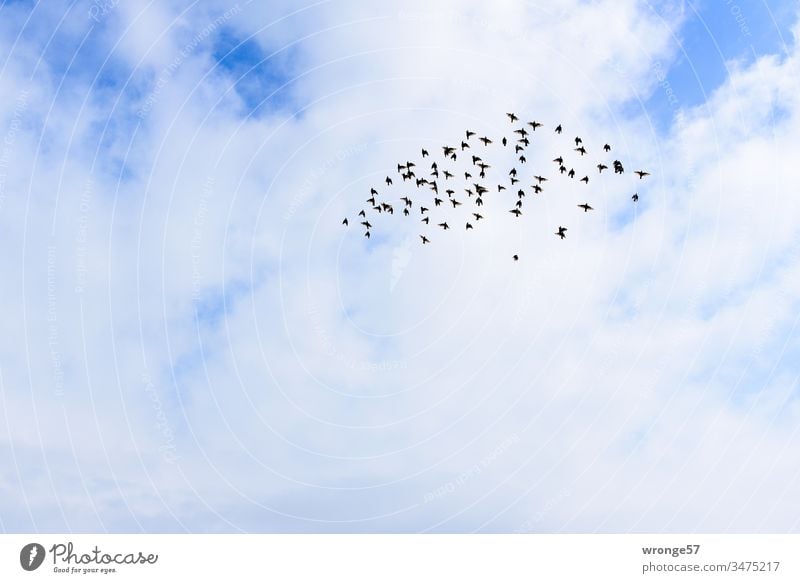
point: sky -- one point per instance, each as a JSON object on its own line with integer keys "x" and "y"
{"x": 192, "y": 342}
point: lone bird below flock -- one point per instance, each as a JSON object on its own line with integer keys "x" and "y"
{"x": 450, "y": 167}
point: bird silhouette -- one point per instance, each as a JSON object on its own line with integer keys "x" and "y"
{"x": 444, "y": 226}
{"x": 585, "y": 179}
{"x": 581, "y": 150}
{"x": 464, "y": 145}
{"x": 641, "y": 174}
{"x": 578, "y": 141}
{"x": 470, "y": 134}
{"x": 534, "y": 124}
{"x": 512, "y": 117}
{"x": 585, "y": 206}
{"x": 469, "y": 226}
{"x": 516, "y": 212}
{"x": 540, "y": 179}
{"x": 425, "y": 240}
{"x": 388, "y": 181}
{"x": 362, "y": 213}
{"x": 477, "y": 216}
{"x": 345, "y": 222}
{"x": 367, "y": 235}
{"x": 635, "y": 197}
{"x": 522, "y": 159}
{"x": 486, "y": 141}
{"x": 515, "y": 257}
{"x": 607, "y": 148}
{"x": 562, "y": 232}
{"x": 558, "y": 129}
{"x": 601, "y": 167}
{"x": 426, "y": 220}
{"x": 424, "y": 152}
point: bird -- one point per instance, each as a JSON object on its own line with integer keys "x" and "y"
{"x": 423, "y": 210}
{"x": 470, "y": 134}
{"x": 426, "y": 220}
{"x": 388, "y": 181}
{"x": 512, "y": 117}
{"x": 641, "y": 174}
{"x": 559, "y": 160}
{"x": 455, "y": 202}
{"x": 406, "y": 200}
{"x": 534, "y": 124}
{"x": 515, "y": 257}
{"x": 585, "y": 206}
{"x": 578, "y": 141}
{"x": 424, "y": 152}
{"x": 345, "y": 222}
{"x": 486, "y": 141}
{"x": 512, "y": 172}
{"x": 477, "y": 216}
{"x": 373, "y": 191}
{"x": 585, "y": 179}
{"x": 437, "y": 201}
{"x": 371, "y": 200}
{"x": 582, "y": 150}
{"x": 571, "y": 173}
{"x": 537, "y": 189}
{"x": 635, "y": 197}
{"x": 540, "y": 179}
{"x": 400, "y": 167}
{"x": 444, "y": 226}
{"x": 448, "y": 150}
{"x": 405, "y": 212}
{"x": 607, "y": 148}
{"x": 562, "y": 232}
{"x": 424, "y": 239}
{"x": 447, "y": 175}
{"x": 467, "y": 175}
{"x": 521, "y": 131}
{"x": 469, "y": 227}
{"x": 464, "y": 145}
{"x": 516, "y": 212}
{"x": 522, "y": 159}
{"x": 504, "y": 141}
{"x": 367, "y": 235}
{"x": 601, "y": 167}
{"x": 362, "y": 213}
{"x": 500, "y": 187}
{"x": 558, "y": 129}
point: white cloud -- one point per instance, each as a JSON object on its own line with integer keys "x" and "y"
{"x": 632, "y": 377}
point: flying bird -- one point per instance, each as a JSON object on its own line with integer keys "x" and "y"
{"x": 601, "y": 167}
{"x": 345, "y": 222}
{"x": 582, "y": 150}
{"x": 512, "y": 117}
{"x": 641, "y": 174}
{"x": 562, "y": 232}
{"x": 486, "y": 141}
{"x": 515, "y": 257}
{"x": 585, "y": 179}
{"x": 444, "y": 226}
{"x": 585, "y": 206}
{"x": 534, "y": 124}
{"x": 424, "y": 152}
{"x": 635, "y": 197}
{"x": 516, "y": 212}
{"x": 607, "y": 148}
{"x": 424, "y": 239}
{"x": 558, "y": 129}
{"x": 469, "y": 227}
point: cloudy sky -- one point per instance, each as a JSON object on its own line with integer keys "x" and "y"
{"x": 192, "y": 342}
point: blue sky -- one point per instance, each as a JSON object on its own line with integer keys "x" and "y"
{"x": 195, "y": 343}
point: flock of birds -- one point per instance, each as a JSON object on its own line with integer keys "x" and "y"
{"x": 440, "y": 181}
